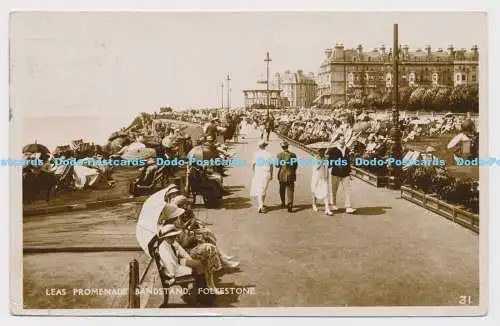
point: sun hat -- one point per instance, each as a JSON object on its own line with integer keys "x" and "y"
{"x": 167, "y": 231}
{"x": 180, "y": 200}
{"x": 284, "y": 144}
{"x": 170, "y": 186}
{"x": 430, "y": 149}
{"x": 172, "y": 191}
{"x": 169, "y": 213}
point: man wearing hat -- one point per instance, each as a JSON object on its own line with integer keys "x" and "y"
{"x": 262, "y": 174}
{"x": 210, "y": 129}
{"x": 341, "y": 174}
{"x": 287, "y": 174}
{"x": 144, "y": 184}
{"x": 171, "y": 191}
{"x": 173, "y": 261}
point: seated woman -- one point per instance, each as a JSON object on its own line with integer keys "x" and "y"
{"x": 195, "y": 233}
{"x": 175, "y": 262}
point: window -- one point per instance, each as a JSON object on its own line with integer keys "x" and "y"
{"x": 464, "y": 77}
{"x": 458, "y": 77}
{"x": 473, "y": 78}
{"x": 435, "y": 78}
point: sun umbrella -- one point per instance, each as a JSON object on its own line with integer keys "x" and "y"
{"x": 461, "y": 137}
{"x": 361, "y": 126}
{"x": 322, "y": 144}
{"x": 140, "y": 153}
{"x": 419, "y": 122}
{"x": 202, "y": 153}
{"x": 36, "y": 148}
{"x": 147, "y": 223}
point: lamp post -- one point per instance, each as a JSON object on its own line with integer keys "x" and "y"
{"x": 395, "y": 150}
{"x": 228, "y": 92}
{"x": 222, "y": 96}
{"x": 267, "y": 60}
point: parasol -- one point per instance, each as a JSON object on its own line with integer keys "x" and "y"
{"x": 361, "y": 126}
{"x": 138, "y": 153}
{"x": 147, "y": 223}
{"x": 322, "y": 144}
{"x": 168, "y": 142}
{"x": 202, "y": 153}
{"x": 461, "y": 137}
{"x": 36, "y": 148}
{"x": 419, "y": 122}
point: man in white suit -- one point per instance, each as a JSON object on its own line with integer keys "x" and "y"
{"x": 174, "y": 262}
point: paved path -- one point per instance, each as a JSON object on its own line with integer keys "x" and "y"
{"x": 391, "y": 252}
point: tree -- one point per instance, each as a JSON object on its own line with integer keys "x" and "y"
{"x": 355, "y": 103}
{"x": 373, "y": 99}
{"x": 441, "y": 100}
{"x": 404, "y": 96}
{"x": 428, "y": 98}
{"x": 415, "y": 100}
{"x": 464, "y": 98}
{"x": 166, "y": 109}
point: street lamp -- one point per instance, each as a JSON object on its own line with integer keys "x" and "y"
{"x": 228, "y": 92}
{"x": 395, "y": 151}
{"x": 222, "y": 96}
{"x": 267, "y": 60}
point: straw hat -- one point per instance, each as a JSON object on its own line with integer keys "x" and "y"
{"x": 179, "y": 200}
{"x": 169, "y": 213}
{"x": 430, "y": 149}
{"x": 167, "y": 231}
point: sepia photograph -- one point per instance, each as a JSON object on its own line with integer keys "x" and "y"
{"x": 248, "y": 163}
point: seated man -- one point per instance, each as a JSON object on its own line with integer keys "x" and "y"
{"x": 145, "y": 183}
{"x": 172, "y": 261}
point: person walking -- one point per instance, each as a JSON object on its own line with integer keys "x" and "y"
{"x": 262, "y": 174}
{"x": 269, "y": 126}
{"x": 341, "y": 174}
{"x": 287, "y": 175}
{"x": 319, "y": 181}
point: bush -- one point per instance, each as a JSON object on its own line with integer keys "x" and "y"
{"x": 464, "y": 98}
{"x": 415, "y": 100}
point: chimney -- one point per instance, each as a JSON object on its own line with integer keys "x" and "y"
{"x": 382, "y": 49}
{"x": 428, "y": 49}
{"x": 450, "y": 49}
{"x": 299, "y": 71}
{"x": 339, "y": 51}
{"x": 328, "y": 53}
{"x": 474, "y": 50}
{"x": 360, "y": 49}
{"x": 405, "y": 51}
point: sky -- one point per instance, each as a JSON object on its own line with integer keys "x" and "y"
{"x": 118, "y": 64}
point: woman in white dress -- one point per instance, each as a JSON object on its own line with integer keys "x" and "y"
{"x": 262, "y": 174}
{"x": 319, "y": 181}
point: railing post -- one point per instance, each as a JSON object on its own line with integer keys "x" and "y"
{"x": 133, "y": 285}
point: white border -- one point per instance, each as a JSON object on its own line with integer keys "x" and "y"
{"x": 256, "y": 5}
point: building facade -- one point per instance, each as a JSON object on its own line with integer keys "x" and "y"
{"x": 344, "y": 71}
{"x": 299, "y": 88}
{"x": 259, "y": 97}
